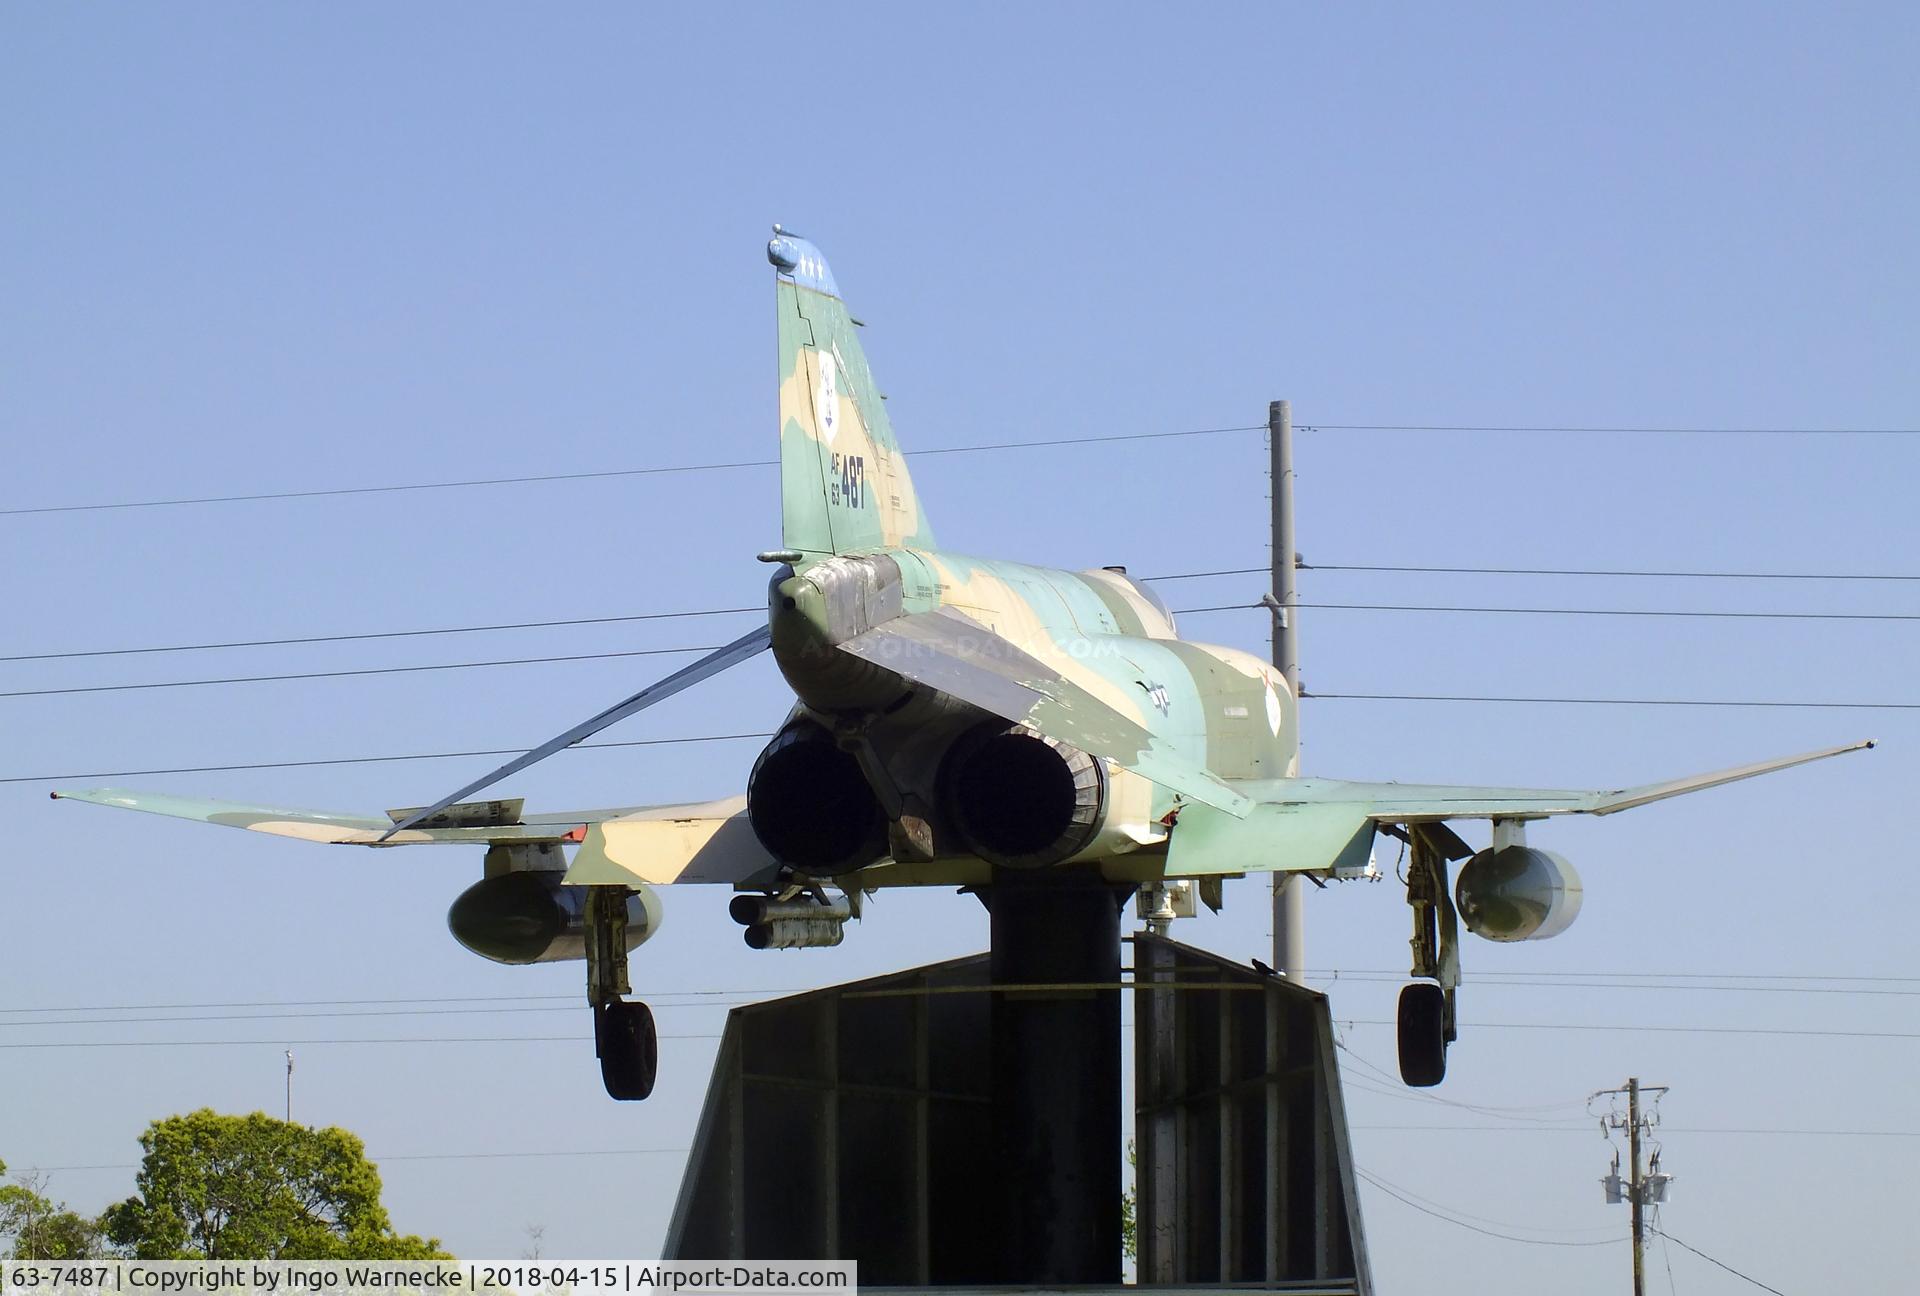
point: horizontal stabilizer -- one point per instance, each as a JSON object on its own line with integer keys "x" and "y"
{"x": 711, "y": 842}
{"x": 1272, "y": 839}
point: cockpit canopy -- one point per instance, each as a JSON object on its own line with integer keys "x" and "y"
{"x": 1152, "y": 595}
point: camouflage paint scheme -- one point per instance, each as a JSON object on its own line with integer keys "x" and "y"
{"x": 898, "y": 650}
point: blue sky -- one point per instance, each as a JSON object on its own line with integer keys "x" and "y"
{"x": 256, "y": 249}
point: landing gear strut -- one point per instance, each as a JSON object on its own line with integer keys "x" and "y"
{"x": 624, "y": 1037}
{"x": 1426, "y": 1019}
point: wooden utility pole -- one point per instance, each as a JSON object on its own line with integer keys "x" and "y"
{"x": 1289, "y": 896}
{"x": 1636, "y": 1186}
{"x": 1642, "y": 1187}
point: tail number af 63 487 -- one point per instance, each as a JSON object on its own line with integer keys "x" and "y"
{"x": 849, "y": 480}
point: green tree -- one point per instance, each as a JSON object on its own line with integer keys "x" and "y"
{"x": 253, "y": 1188}
{"x": 34, "y": 1228}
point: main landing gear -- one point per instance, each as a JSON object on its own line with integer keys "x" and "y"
{"x": 624, "y": 1037}
{"x": 1426, "y": 1022}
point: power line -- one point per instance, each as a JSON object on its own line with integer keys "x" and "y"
{"x": 1394, "y": 1091}
{"x": 569, "y": 1006}
{"x": 749, "y": 991}
{"x": 362, "y": 636}
{"x": 341, "y": 1003}
{"x": 1798, "y": 1031}
{"x": 1667, "y": 976}
{"x": 1585, "y": 1128}
{"x": 1609, "y": 612}
{"x": 730, "y": 465}
{"x": 426, "y": 1156}
{"x": 371, "y": 760}
{"x": 1781, "y": 1031}
{"x": 1729, "y": 1268}
{"x": 504, "y": 1156}
{"x": 300, "y": 1043}
{"x": 1199, "y": 575}
{"x": 408, "y": 634}
{"x": 1465, "y": 1214}
{"x": 1577, "y": 571}
{"x": 377, "y": 634}
{"x": 1632, "y": 431}
{"x": 594, "y": 474}
{"x": 344, "y": 674}
{"x": 1634, "y": 573}
{"x": 1520, "y": 981}
{"x": 705, "y": 648}
{"x": 1460, "y": 1223}
{"x": 1588, "y": 701}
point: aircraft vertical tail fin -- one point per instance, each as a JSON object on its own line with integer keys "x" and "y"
{"x": 844, "y": 485}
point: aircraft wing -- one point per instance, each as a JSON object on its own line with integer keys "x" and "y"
{"x": 480, "y": 821}
{"x": 959, "y": 656}
{"x": 1430, "y": 803}
{"x": 1310, "y": 824}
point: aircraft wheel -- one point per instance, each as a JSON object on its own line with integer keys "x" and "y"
{"x": 1423, "y": 1035}
{"x": 628, "y": 1047}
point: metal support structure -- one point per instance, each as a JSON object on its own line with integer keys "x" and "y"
{"x": 862, "y": 1122}
{"x": 1056, "y": 1078}
{"x": 1245, "y": 1174}
{"x": 1436, "y": 923}
{"x": 606, "y": 944}
{"x": 1289, "y": 895}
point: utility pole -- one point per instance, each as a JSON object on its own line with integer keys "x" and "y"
{"x": 1635, "y": 1204}
{"x": 1640, "y": 1189}
{"x": 1289, "y": 896}
{"x": 289, "y": 1086}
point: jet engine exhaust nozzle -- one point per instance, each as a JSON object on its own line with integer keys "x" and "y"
{"x": 810, "y": 805}
{"x": 1022, "y": 800}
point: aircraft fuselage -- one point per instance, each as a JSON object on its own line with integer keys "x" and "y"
{"x": 1221, "y": 706}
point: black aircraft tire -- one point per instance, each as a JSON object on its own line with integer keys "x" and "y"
{"x": 629, "y": 1049}
{"x": 1423, "y": 1035}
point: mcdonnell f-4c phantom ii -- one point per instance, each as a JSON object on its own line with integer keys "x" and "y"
{"x": 958, "y": 718}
